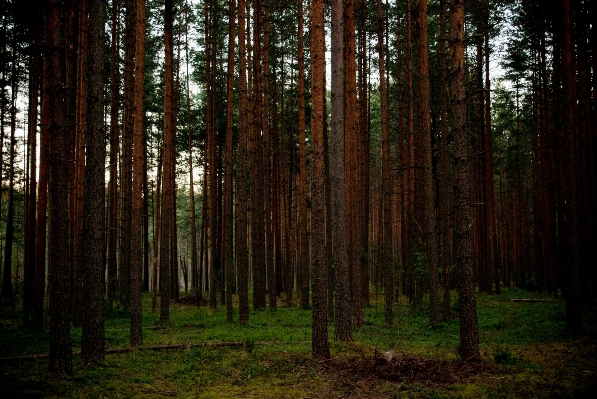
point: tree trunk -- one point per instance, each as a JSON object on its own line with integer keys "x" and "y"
{"x": 114, "y": 149}
{"x": 60, "y": 345}
{"x": 444, "y": 169}
{"x": 469, "y": 334}
{"x": 337, "y": 179}
{"x": 168, "y": 178}
{"x": 242, "y": 249}
{"x": 127, "y": 156}
{"x": 430, "y": 237}
{"x": 136, "y": 334}
{"x": 570, "y": 165}
{"x": 228, "y": 206}
{"x": 386, "y": 249}
{"x": 94, "y": 258}
{"x": 320, "y": 346}
{"x": 303, "y": 268}
{"x": 35, "y": 66}
{"x": 353, "y": 154}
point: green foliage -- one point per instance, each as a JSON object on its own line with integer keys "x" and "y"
{"x": 524, "y": 342}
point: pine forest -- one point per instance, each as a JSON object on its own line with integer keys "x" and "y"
{"x": 290, "y": 199}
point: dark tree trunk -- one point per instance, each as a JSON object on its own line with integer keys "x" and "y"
{"x": 168, "y": 178}
{"x": 228, "y": 206}
{"x": 136, "y": 334}
{"x": 242, "y": 250}
{"x": 114, "y": 149}
{"x": 60, "y": 345}
{"x": 469, "y": 334}
{"x": 94, "y": 258}
{"x": 320, "y": 345}
{"x": 337, "y": 179}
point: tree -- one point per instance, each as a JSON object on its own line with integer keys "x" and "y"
{"x": 136, "y": 337}
{"x": 469, "y": 335}
{"x": 337, "y": 178}
{"x": 570, "y": 166}
{"x": 430, "y": 237}
{"x": 228, "y": 229}
{"x": 320, "y": 345}
{"x": 242, "y": 254}
{"x": 303, "y": 268}
{"x": 92, "y": 347}
{"x": 168, "y": 176}
{"x": 112, "y": 283}
{"x": 53, "y": 117}
{"x": 386, "y": 199}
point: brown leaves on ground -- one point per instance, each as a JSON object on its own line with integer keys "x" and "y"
{"x": 407, "y": 369}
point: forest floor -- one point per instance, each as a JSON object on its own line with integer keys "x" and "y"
{"x": 525, "y": 351}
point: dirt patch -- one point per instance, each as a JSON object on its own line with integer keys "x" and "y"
{"x": 407, "y": 369}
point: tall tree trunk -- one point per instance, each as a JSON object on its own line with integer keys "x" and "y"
{"x": 136, "y": 334}
{"x": 303, "y": 269}
{"x": 267, "y": 168}
{"x": 444, "y": 168}
{"x": 469, "y": 334}
{"x": 76, "y": 234}
{"x": 386, "y": 249}
{"x": 570, "y": 166}
{"x": 352, "y": 151}
{"x": 114, "y": 150}
{"x": 192, "y": 215}
{"x": 242, "y": 250}
{"x": 320, "y": 345}
{"x": 430, "y": 237}
{"x": 127, "y": 156}
{"x": 492, "y": 258}
{"x": 337, "y": 178}
{"x": 257, "y": 193}
{"x": 228, "y": 206}
{"x": 168, "y": 178}
{"x": 94, "y": 258}
{"x": 60, "y": 345}
{"x": 34, "y": 89}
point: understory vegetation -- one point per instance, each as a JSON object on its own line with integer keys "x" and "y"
{"x": 525, "y": 348}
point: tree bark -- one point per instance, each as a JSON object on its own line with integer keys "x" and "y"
{"x": 228, "y": 206}
{"x": 430, "y": 237}
{"x": 60, "y": 345}
{"x": 168, "y": 178}
{"x": 469, "y": 334}
{"x": 94, "y": 258}
{"x": 136, "y": 334}
{"x": 337, "y": 179}
{"x": 320, "y": 345}
{"x": 242, "y": 250}
{"x": 303, "y": 269}
{"x": 114, "y": 150}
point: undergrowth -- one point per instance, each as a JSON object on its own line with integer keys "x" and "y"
{"x": 525, "y": 349}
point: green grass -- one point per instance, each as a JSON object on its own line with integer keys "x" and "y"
{"x": 525, "y": 343}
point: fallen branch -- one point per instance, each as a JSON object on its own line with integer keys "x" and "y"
{"x": 537, "y": 300}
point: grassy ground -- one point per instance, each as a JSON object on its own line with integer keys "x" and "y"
{"x": 526, "y": 353}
